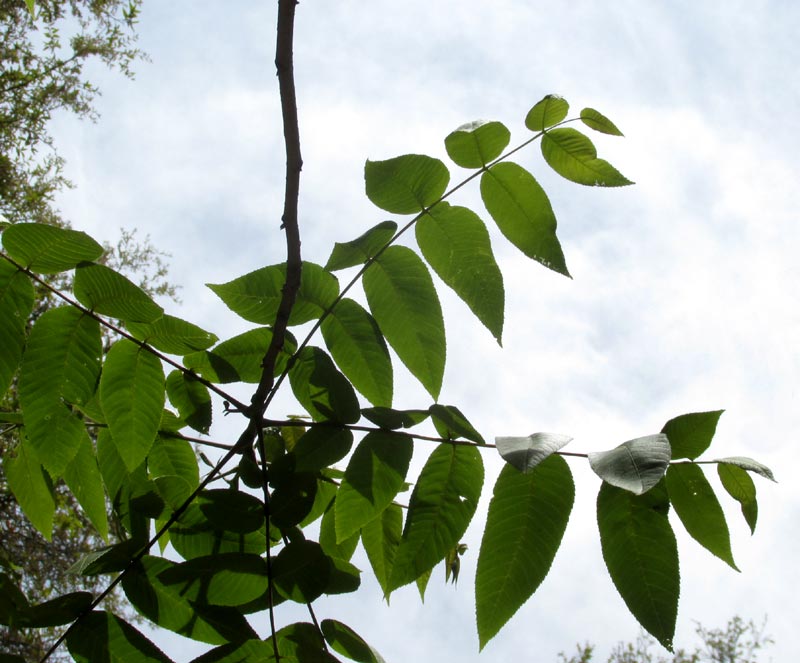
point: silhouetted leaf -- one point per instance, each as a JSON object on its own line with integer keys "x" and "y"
{"x": 101, "y": 636}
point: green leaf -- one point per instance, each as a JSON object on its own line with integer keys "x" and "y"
{"x": 83, "y": 477}
{"x": 748, "y": 464}
{"x": 61, "y": 365}
{"x": 49, "y": 249}
{"x": 132, "y": 396}
{"x": 697, "y": 506}
{"x": 101, "y": 636}
{"x": 327, "y": 537}
{"x": 322, "y": 390}
{"x": 107, "y": 292}
{"x": 301, "y": 642}
{"x": 522, "y": 211}
{"x": 172, "y": 335}
{"x": 386, "y": 417}
{"x": 301, "y": 571}
{"x": 636, "y": 465}
{"x": 357, "y": 345}
{"x": 451, "y": 424}
{"x": 402, "y": 297}
{"x": 292, "y": 500}
{"x": 16, "y": 304}
{"x": 256, "y": 651}
{"x": 239, "y": 358}
{"x": 525, "y": 453}
{"x": 547, "y": 112}
{"x": 61, "y": 610}
{"x": 441, "y": 506}
{"x": 31, "y": 486}
{"x": 361, "y": 249}
{"x": 226, "y": 579}
{"x": 573, "y": 156}
{"x": 320, "y": 447}
{"x": 109, "y": 559}
{"x": 691, "y": 434}
{"x": 476, "y": 144}
{"x": 739, "y": 485}
{"x": 191, "y": 398}
{"x": 13, "y": 604}
{"x": 527, "y": 518}
{"x": 31, "y": 7}
{"x": 406, "y": 184}
{"x": 257, "y": 296}
{"x": 380, "y": 537}
{"x": 455, "y": 242}
{"x": 172, "y": 456}
{"x": 168, "y": 607}
{"x": 599, "y": 122}
{"x": 347, "y": 642}
{"x": 641, "y": 555}
{"x": 375, "y": 474}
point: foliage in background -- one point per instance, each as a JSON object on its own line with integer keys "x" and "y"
{"x": 738, "y": 642}
{"x": 125, "y": 411}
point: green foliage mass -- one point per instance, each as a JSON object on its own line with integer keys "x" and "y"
{"x": 244, "y": 530}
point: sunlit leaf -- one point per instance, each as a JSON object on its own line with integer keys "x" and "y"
{"x": 455, "y": 242}
{"x": 641, "y": 555}
{"x": 527, "y": 518}
{"x": 402, "y": 297}
{"x": 599, "y": 122}
{"x": 406, "y": 184}
{"x": 375, "y": 474}
{"x": 107, "y": 292}
{"x": 321, "y": 389}
{"x": 361, "y": 249}
{"x": 49, "y": 249}
{"x": 256, "y": 296}
{"x": 636, "y": 465}
{"x": 441, "y": 506}
{"x": 522, "y": 211}
{"x": 691, "y": 434}
{"x": 525, "y": 453}
{"x": 476, "y": 144}
{"x": 132, "y": 395}
{"x": 573, "y": 156}
{"x": 357, "y": 345}
{"x": 547, "y": 112}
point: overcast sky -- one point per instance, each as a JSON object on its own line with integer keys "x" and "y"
{"x": 684, "y": 295}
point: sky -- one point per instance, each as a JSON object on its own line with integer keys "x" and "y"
{"x": 683, "y": 297}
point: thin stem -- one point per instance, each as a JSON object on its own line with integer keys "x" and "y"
{"x": 121, "y": 332}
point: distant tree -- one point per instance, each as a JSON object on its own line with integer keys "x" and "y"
{"x": 738, "y": 642}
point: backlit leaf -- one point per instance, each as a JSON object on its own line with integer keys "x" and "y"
{"x": 442, "y": 504}
{"x": 257, "y": 296}
{"x": 48, "y": 249}
{"x": 697, "y": 506}
{"x": 327, "y": 537}
{"x": 132, "y": 395}
{"x": 320, "y": 447}
{"x": 101, "y": 636}
{"x": 321, "y": 389}
{"x": 641, "y": 555}
{"x": 455, "y": 242}
{"x": 239, "y": 358}
{"x": 58, "y": 611}
{"x": 361, "y": 249}
{"x": 31, "y": 486}
{"x": 107, "y": 292}
{"x": 599, "y": 122}
{"x": 406, "y": 184}
{"x": 380, "y": 538}
{"x": 525, "y": 453}
{"x": 739, "y": 485}
{"x": 357, "y": 345}
{"x": 547, "y": 112}
{"x": 403, "y": 300}
{"x": 346, "y": 641}
{"x": 191, "y": 398}
{"x": 476, "y": 144}
{"x": 573, "y": 156}
{"x": 386, "y": 417}
{"x": 16, "y": 304}
{"x": 375, "y": 474}
{"x": 636, "y": 465}
{"x": 522, "y": 211}
{"x": 172, "y": 456}
{"x": 451, "y": 423}
{"x": 691, "y": 434}
{"x": 527, "y": 518}
{"x": 172, "y": 335}
{"x": 83, "y": 477}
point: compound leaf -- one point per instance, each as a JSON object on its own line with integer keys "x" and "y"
{"x": 636, "y": 465}
{"x": 573, "y": 156}
{"x": 406, "y": 184}
{"x": 525, "y": 453}
{"x": 361, "y": 249}
{"x": 49, "y": 249}
{"x": 101, "y": 636}
{"x": 691, "y": 434}
{"x": 599, "y": 122}
{"x": 107, "y": 292}
{"x": 476, "y": 144}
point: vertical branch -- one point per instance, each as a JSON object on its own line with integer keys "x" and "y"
{"x": 284, "y": 63}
